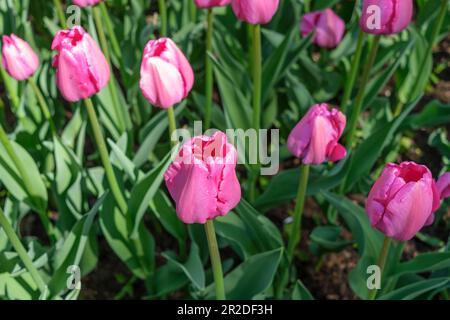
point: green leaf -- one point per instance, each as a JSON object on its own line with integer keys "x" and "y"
{"x": 434, "y": 114}
{"x": 193, "y": 267}
{"x": 414, "y": 290}
{"x": 253, "y": 277}
{"x": 328, "y": 239}
{"x": 143, "y": 193}
{"x": 300, "y": 292}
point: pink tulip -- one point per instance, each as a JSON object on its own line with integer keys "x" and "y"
{"x": 328, "y": 27}
{"x": 202, "y": 179}
{"x": 18, "y": 58}
{"x": 81, "y": 67}
{"x": 166, "y": 75}
{"x": 386, "y": 16}
{"x": 204, "y": 4}
{"x": 255, "y": 11}
{"x": 86, "y": 3}
{"x": 403, "y": 200}
{"x": 315, "y": 138}
{"x": 443, "y": 185}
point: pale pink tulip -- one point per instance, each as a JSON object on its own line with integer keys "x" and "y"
{"x": 86, "y": 3}
{"x": 18, "y": 58}
{"x": 329, "y": 28}
{"x": 443, "y": 185}
{"x": 255, "y": 11}
{"x": 204, "y": 4}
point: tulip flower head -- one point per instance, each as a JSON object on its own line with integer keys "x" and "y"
{"x": 166, "y": 75}
{"x": 205, "y": 4}
{"x": 315, "y": 139}
{"x": 202, "y": 179}
{"x": 443, "y": 185}
{"x": 403, "y": 200}
{"x": 386, "y": 16}
{"x": 255, "y": 11}
{"x": 81, "y": 67}
{"x": 18, "y": 58}
{"x": 329, "y": 28}
{"x": 86, "y": 3}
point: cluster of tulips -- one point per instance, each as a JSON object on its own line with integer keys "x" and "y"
{"x": 202, "y": 177}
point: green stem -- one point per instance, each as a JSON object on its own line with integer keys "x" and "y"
{"x": 353, "y": 71}
{"x": 192, "y": 11}
{"x": 15, "y": 241}
{"x": 306, "y": 6}
{"x": 299, "y": 205}
{"x": 60, "y": 13}
{"x": 356, "y": 110}
{"x": 437, "y": 28}
{"x": 215, "y": 260}
{"x": 43, "y": 104}
{"x": 172, "y": 124}
{"x": 111, "y": 85}
{"x": 257, "y": 60}
{"x": 163, "y": 17}
{"x": 110, "y": 30}
{"x": 9, "y": 88}
{"x": 101, "y": 145}
{"x": 209, "y": 70}
{"x": 381, "y": 263}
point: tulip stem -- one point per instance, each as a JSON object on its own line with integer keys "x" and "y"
{"x": 209, "y": 70}
{"x": 215, "y": 260}
{"x": 101, "y": 145}
{"x": 437, "y": 28}
{"x": 172, "y": 125}
{"x": 120, "y": 114}
{"x": 356, "y": 110}
{"x": 15, "y": 241}
{"x": 353, "y": 71}
{"x": 43, "y": 104}
{"x": 163, "y": 18}
{"x": 295, "y": 235}
{"x": 109, "y": 28}
{"x": 381, "y": 263}
{"x": 257, "y": 74}
{"x": 28, "y": 185}
{"x": 60, "y": 13}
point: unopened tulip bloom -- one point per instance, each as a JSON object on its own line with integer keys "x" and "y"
{"x": 81, "y": 67}
{"x": 166, "y": 75}
{"x": 204, "y": 4}
{"x": 328, "y": 27}
{"x": 86, "y": 3}
{"x": 255, "y": 11}
{"x": 202, "y": 179}
{"x": 315, "y": 139}
{"x": 386, "y": 16}
{"x": 443, "y": 185}
{"x": 18, "y": 58}
{"x": 403, "y": 200}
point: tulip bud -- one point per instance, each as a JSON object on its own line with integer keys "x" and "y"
{"x": 386, "y": 16}
{"x": 202, "y": 179}
{"x": 86, "y": 3}
{"x": 255, "y": 11}
{"x": 443, "y": 185}
{"x": 403, "y": 200}
{"x": 204, "y": 4}
{"x": 81, "y": 67}
{"x": 328, "y": 27}
{"x": 166, "y": 75}
{"x": 18, "y": 58}
{"x": 315, "y": 138}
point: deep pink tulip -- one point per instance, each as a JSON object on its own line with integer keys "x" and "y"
{"x": 86, "y": 3}
{"x": 18, "y": 58}
{"x": 204, "y": 4}
{"x": 403, "y": 200}
{"x": 315, "y": 138}
{"x": 329, "y": 28}
{"x": 202, "y": 179}
{"x": 81, "y": 67}
{"x": 255, "y": 11}
{"x": 443, "y": 185}
{"x": 386, "y": 16}
{"x": 166, "y": 75}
